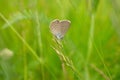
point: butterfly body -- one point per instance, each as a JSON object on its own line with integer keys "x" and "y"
{"x": 59, "y": 28}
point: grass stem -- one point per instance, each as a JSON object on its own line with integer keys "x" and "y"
{"x": 20, "y": 37}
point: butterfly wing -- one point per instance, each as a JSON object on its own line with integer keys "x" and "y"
{"x": 59, "y": 28}
{"x": 64, "y": 27}
{"x": 55, "y": 27}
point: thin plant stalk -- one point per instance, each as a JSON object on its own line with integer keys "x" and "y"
{"x": 39, "y": 42}
{"x": 100, "y": 72}
{"x": 102, "y": 60}
{"x": 21, "y": 38}
{"x": 5, "y": 70}
{"x": 25, "y": 61}
{"x": 25, "y": 65}
{"x": 65, "y": 60}
{"x": 90, "y": 45}
{"x": 91, "y": 36}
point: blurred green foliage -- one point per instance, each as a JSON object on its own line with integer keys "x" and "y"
{"x": 24, "y": 31}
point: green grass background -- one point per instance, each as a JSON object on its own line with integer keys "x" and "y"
{"x": 92, "y": 43}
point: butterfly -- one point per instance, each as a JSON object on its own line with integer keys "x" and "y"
{"x": 59, "y": 27}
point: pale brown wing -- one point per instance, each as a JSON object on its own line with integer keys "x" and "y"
{"x": 59, "y": 28}
{"x": 55, "y": 27}
{"x": 65, "y": 24}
